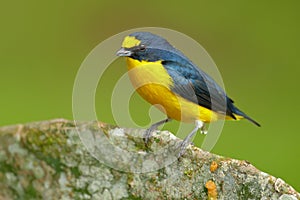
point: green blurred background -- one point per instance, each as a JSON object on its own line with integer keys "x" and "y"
{"x": 254, "y": 44}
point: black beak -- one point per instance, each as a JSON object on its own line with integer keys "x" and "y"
{"x": 123, "y": 52}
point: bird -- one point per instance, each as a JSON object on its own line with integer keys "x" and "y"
{"x": 168, "y": 79}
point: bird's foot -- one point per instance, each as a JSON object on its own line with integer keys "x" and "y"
{"x": 187, "y": 141}
{"x": 182, "y": 147}
{"x": 153, "y": 127}
{"x": 148, "y": 133}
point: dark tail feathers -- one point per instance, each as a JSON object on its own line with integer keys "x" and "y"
{"x": 240, "y": 113}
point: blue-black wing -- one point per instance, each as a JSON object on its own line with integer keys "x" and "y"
{"x": 195, "y": 85}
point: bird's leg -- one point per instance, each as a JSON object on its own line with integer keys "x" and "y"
{"x": 199, "y": 125}
{"x": 153, "y": 127}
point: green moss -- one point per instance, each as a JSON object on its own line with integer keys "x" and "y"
{"x": 139, "y": 143}
{"x": 47, "y": 147}
{"x": 45, "y": 142}
{"x": 141, "y": 146}
{"x": 5, "y": 167}
{"x": 189, "y": 173}
{"x": 157, "y": 140}
{"x": 130, "y": 178}
{"x": 132, "y": 197}
{"x": 31, "y": 193}
{"x": 80, "y": 191}
{"x": 153, "y": 180}
{"x": 246, "y": 193}
{"x": 55, "y": 163}
{"x": 75, "y": 171}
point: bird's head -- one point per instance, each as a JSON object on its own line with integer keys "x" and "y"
{"x": 145, "y": 46}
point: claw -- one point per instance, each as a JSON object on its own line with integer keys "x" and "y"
{"x": 199, "y": 125}
{"x": 148, "y": 134}
{"x": 153, "y": 127}
{"x": 183, "y": 145}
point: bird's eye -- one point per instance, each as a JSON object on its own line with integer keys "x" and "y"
{"x": 142, "y": 47}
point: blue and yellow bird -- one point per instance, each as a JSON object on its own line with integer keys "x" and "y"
{"x": 165, "y": 77}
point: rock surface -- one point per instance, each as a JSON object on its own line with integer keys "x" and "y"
{"x": 48, "y": 160}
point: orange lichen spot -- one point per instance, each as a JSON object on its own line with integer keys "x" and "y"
{"x": 213, "y": 166}
{"x": 211, "y": 190}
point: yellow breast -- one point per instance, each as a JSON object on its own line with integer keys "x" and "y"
{"x": 153, "y": 83}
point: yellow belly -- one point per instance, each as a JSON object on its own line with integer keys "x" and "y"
{"x": 153, "y": 83}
